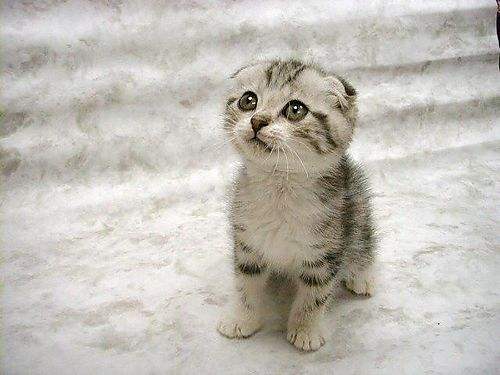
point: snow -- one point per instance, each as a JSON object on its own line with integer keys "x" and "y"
{"x": 115, "y": 251}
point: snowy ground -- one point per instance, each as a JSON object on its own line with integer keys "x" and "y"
{"x": 115, "y": 254}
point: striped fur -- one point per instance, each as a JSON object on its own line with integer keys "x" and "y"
{"x": 301, "y": 206}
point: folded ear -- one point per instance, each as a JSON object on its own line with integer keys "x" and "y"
{"x": 235, "y": 74}
{"x": 245, "y": 68}
{"x": 346, "y": 95}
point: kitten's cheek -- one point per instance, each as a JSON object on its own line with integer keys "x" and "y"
{"x": 246, "y": 133}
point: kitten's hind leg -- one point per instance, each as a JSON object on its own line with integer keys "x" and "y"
{"x": 360, "y": 280}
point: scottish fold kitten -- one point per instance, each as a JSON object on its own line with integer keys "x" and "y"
{"x": 301, "y": 206}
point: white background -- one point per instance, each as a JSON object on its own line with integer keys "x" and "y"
{"x": 115, "y": 252}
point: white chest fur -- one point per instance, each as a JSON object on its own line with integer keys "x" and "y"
{"x": 278, "y": 213}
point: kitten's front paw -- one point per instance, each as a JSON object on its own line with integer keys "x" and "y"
{"x": 306, "y": 339}
{"x": 238, "y": 326}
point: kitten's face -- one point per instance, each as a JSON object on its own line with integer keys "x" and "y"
{"x": 287, "y": 115}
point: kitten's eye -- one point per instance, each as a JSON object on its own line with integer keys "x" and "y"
{"x": 248, "y": 102}
{"x": 295, "y": 110}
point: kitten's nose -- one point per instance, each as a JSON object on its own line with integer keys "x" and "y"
{"x": 258, "y": 122}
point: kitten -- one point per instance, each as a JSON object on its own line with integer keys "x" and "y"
{"x": 301, "y": 206}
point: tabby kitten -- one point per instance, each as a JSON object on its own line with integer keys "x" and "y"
{"x": 301, "y": 206}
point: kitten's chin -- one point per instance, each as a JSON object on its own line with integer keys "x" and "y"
{"x": 273, "y": 163}
{"x": 254, "y": 148}
{"x": 259, "y": 144}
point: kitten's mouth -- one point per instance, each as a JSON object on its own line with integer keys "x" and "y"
{"x": 259, "y": 142}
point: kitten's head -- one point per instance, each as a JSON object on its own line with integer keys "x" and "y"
{"x": 288, "y": 115}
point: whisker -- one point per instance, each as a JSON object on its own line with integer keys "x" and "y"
{"x": 300, "y": 160}
{"x": 277, "y": 161}
{"x": 223, "y": 143}
{"x": 272, "y": 149}
{"x": 287, "y": 168}
{"x": 303, "y": 144}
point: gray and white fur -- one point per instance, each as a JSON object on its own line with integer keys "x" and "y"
{"x": 301, "y": 206}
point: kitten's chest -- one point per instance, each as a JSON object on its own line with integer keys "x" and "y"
{"x": 278, "y": 216}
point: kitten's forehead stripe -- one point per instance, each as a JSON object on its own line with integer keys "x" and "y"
{"x": 269, "y": 72}
{"x": 295, "y": 74}
{"x": 280, "y": 73}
